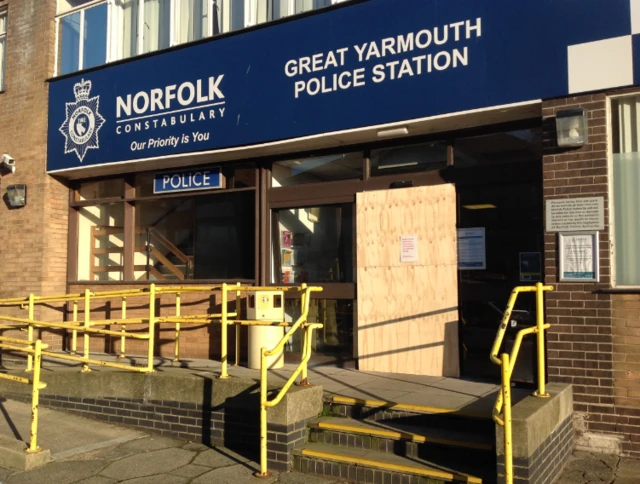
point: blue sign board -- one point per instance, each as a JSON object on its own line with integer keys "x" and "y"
{"x": 363, "y": 64}
{"x": 187, "y": 180}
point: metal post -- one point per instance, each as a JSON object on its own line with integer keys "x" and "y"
{"x": 152, "y": 321}
{"x": 87, "y": 321}
{"x": 307, "y": 339}
{"x": 238, "y": 294}
{"x": 541, "y": 392}
{"x": 224, "y": 374}
{"x": 506, "y": 392}
{"x": 263, "y": 415}
{"x": 123, "y": 339}
{"x": 74, "y": 333}
{"x": 176, "y": 347}
{"x": 305, "y": 301}
{"x": 35, "y": 398}
{"x": 30, "y": 330}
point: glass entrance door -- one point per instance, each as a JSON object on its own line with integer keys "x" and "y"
{"x": 499, "y": 187}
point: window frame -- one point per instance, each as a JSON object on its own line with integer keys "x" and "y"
{"x": 4, "y": 12}
{"x": 114, "y": 23}
{"x": 81, "y": 9}
{"x": 129, "y": 199}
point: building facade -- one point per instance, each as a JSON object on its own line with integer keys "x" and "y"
{"x": 417, "y": 159}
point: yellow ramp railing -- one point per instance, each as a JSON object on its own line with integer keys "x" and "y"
{"x": 301, "y": 370}
{"x": 508, "y": 363}
{"x": 34, "y": 350}
{"x": 84, "y": 325}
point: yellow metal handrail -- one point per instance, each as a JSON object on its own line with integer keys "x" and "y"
{"x": 88, "y": 326}
{"x": 508, "y": 364}
{"x": 302, "y": 369}
{"x": 32, "y": 349}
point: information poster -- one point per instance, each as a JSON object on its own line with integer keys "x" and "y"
{"x": 579, "y": 259}
{"x": 530, "y": 267}
{"x": 472, "y": 253}
{"x": 409, "y": 248}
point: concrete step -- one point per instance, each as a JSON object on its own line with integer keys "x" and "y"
{"x": 367, "y": 466}
{"x": 476, "y": 417}
{"x": 394, "y": 437}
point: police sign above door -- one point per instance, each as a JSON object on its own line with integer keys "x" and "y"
{"x": 355, "y": 65}
{"x": 187, "y": 180}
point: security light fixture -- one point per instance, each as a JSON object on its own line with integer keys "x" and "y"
{"x": 17, "y": 195}
{"x": 392, "y": 133}
{"x": 572, "y": 128}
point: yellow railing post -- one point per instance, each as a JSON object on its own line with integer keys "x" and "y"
{"x": 74, "y": 333}
{"x": 263, "y": 415}
{"x": 224, "y": 374}
{"x": 541, "y": 392}
{"x": 87, "y": 324}
{"x": 506, "y": 394}
{"x": 30, "y": 330}
{"x": 35, "y": 398}
{"x": 305, "y": 300}
{"x": 176, "y": 347}
{"x": 152, "y": 330}
{"x": 123, "y": 339}
{"x": 238, "y": 294}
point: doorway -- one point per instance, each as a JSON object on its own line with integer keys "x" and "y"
{"x": 501, "y": 243}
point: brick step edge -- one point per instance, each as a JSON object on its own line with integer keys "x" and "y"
{"x": 343, "y": 438}
{"x": 356, "y": 474}
{"x": 376, "y": 414}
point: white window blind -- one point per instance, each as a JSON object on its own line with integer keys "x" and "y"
{"x": 626, "y": 187}
{"x": 3, "y": 45}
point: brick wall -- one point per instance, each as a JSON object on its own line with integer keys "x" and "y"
{"x": 33, "y": 239}
{"x": 594, "y": 339}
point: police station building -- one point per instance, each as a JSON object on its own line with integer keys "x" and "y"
{"x": 418, "y": 159}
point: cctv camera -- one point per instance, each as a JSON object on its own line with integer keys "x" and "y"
{"x": 9, "y": 163}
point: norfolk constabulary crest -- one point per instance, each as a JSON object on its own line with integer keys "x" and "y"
{"x": 83, "y": 121}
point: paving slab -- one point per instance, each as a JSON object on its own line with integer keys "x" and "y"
{"x": 219, "y": 458}
{"x": 58, "y": 473}
{"x": 97, "y": 480}
{"x": 151, "y": 443}
{"x": 190, "y": 471}
{"x": 629, "y": 468}
{"x": 64, "y": 435}
{"x": 158, "y": 479}
{"x": 149, "y": 464}
{"x": 233, "y": 475}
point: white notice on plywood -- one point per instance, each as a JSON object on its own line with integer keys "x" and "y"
{"x": 409, "y": 248}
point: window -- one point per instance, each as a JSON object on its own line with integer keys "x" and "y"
{"x": 82, "y": 38}
{"x": 207, "y": 237}
{"x": 193, "y": 20}
{"x": 409, "y": 159}
{"x": 337, "y": 317}
{"x": 3, "y": 45}
{"x": 314, "y": 244}
{"x": 625, "y": 126}
{"x": 101, "y": 242}
{"x": 142, "y": 26}
{"x": 126, "y": 232}
{"x": 315, "y": 170}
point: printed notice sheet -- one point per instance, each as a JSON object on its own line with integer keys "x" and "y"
{"x": 472, "y": 253}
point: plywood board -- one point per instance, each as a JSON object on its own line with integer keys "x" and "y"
{"x": 408, "y": 311}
